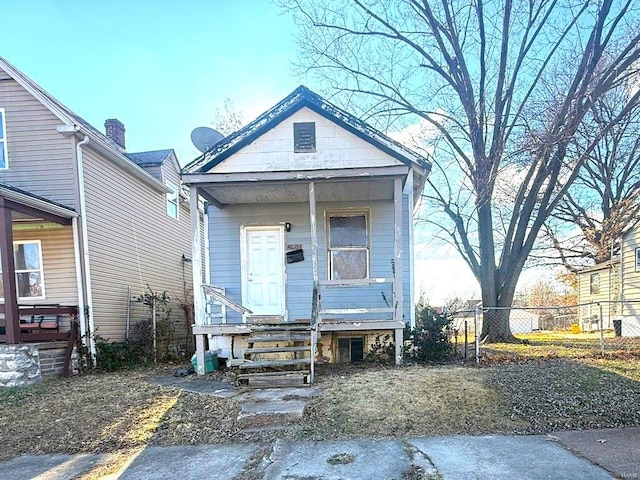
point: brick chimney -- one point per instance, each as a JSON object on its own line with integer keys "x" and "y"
{"x": 114, "y": 130}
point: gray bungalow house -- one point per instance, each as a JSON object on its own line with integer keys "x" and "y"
{"x": 83, "y": 223}
{"x": 309, "y": 238}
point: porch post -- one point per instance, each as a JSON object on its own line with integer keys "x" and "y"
{"x": 314, "y": 233}
{"x": 11, "y": 315}
{"x": 196, "y": 270}
{"x": 398, "y": 277}
{"x": 314, "y": 273}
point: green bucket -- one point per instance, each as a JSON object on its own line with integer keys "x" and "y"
{"x": 210, "y": 362}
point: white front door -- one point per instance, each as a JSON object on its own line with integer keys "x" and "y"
{"x": 263, "y": 270}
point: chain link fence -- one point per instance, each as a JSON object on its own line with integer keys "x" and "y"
{"x": 597, "y": 328}
{"x": 161, "y": 327}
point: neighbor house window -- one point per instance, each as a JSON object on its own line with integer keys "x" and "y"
{"x": 27, "y": 257}
{"x": 348, "y": 246}
{"x": 304, "y": 137}
{"x": 637, "y": 259}
{"x": 594, "y": 283}
{"x": 173, "y": 199}
{"x": 4, "y": 161}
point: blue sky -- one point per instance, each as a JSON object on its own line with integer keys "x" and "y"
{"x": 163, "y": 67}
{"x": 160, "y": 67}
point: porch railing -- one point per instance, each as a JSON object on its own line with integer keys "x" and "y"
{"x": 41, "y": 323}
{"x": 389, "y": 309}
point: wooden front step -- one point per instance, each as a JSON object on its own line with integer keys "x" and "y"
{"x": 275, "y": 363}
{"x": 292, "y": 341}
{"x": 296, "y": 378}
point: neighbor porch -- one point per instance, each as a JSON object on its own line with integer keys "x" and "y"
{"x": 38, "y": 274}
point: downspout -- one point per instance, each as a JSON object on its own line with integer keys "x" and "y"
{"x": 79, "y": 282}
{"x": 85, "y": 243}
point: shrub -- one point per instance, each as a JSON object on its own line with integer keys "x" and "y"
{"x": 112, "y": 356}
{"x": 382, "y": 350}
{"x": 430, "y": 340}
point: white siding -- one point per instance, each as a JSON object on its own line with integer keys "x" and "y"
{"x": 335, "y": 148}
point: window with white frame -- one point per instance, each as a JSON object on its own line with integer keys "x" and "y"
{"x": 27, "y": 257}
{"x": 348, "y": 245}
{"x": 637, "y": 259}
{"x": 594, "y": 283}
{"x": 173, "y": 199}
{"x": 4, "y": 160}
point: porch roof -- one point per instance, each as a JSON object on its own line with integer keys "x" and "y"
{"x": 35, "y": 206}
{"x": 293, "y": 187}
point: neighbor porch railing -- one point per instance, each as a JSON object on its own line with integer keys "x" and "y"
{"x": 40, "y": 323}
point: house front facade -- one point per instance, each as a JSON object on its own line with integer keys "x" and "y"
{"x": 84, "y": 223}
{"x": 309, "y": 222}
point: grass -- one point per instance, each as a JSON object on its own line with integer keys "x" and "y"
{"x": 561, "y": 344}
{"x": 517, "y": 392}
{"x": 107, "y": 413}
{"x": 413, "y": 400}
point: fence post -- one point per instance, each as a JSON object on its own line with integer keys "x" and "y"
{"x": 477, "y": 337}
{"x": 601, "y": 330}
{"x": 466, "y": 339}
{"x": 155, "y": 337}
{"x": 127, "y": 334}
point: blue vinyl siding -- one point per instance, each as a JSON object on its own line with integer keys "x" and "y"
{"x": 224, "y": 239}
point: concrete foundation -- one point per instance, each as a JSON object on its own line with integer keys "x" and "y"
{"x": 19, "y": 365}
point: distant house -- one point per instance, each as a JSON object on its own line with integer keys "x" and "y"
{"x": 611, "y": 290}
{"x": 84, "y": 220}
{"x": 310, "y": 238}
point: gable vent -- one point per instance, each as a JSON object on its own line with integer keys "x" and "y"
{"x": 304, "y": 137}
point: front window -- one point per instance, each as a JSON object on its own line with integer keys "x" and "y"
{"x": 594, "y": 282}
{"x": 173, "y": 201}
{"x": 3, "y": 141}
{"x": 348, "y": 246}
{"x": 27, "y": 257}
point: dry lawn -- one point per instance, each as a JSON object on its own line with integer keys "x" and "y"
{"x": 122, "y": 412}
{"x": 107, "y": 413}
{"x": 413, "y": 400}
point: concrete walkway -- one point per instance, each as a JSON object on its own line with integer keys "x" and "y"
{"x": 567, "y": 455}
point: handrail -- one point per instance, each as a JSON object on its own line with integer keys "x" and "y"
{"x": 223, "y": 299}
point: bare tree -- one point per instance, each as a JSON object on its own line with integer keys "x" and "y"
{"x": 505, "y": 84}
{"x": 227, "y": 118}
{"x": 605, "y": 197}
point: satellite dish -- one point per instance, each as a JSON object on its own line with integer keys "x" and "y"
{"x": 204, "y": 138}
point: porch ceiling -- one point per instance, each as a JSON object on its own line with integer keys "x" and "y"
{"x": 298, "y": 191}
